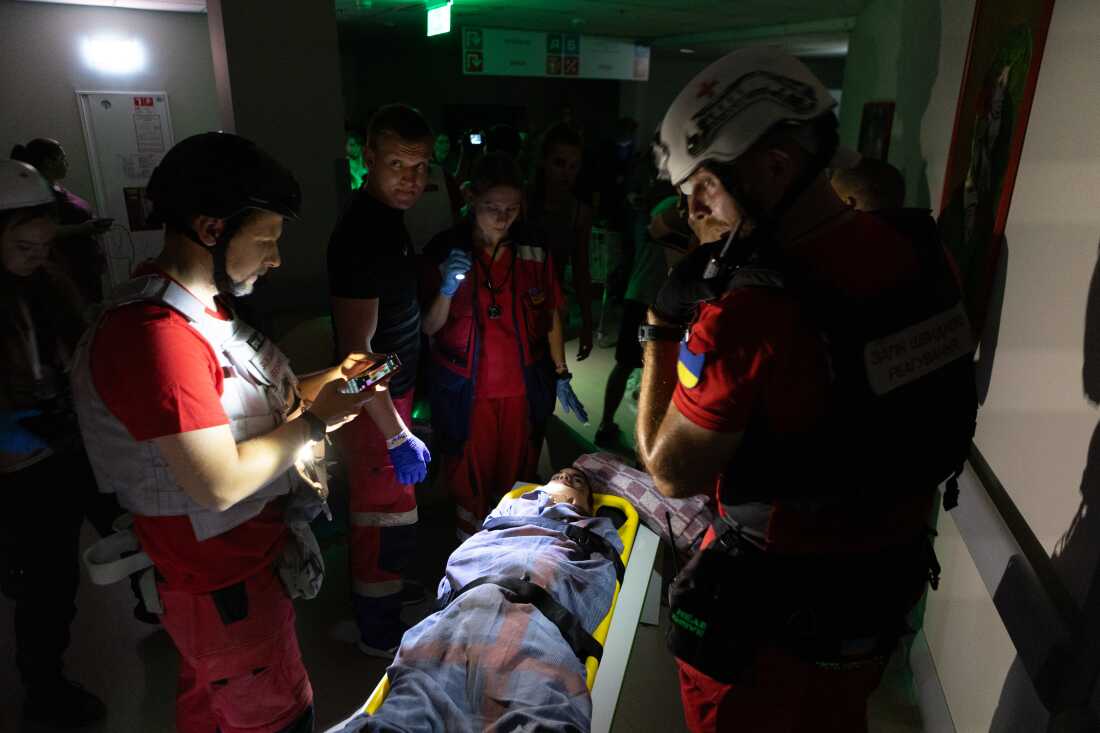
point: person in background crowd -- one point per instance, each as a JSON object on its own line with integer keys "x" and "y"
{"x": 562, "y": 221}
{"x": 756, "y": 391}
{"x": 498, "y": 356}
{"x": 75, "y": 247}
{"x": 503, "y": 138}
{"x": 648, "y": 272}
{"x": 42, "y": 461}
{"x": 353, "y": 149}
{"x": 195, "y": 420}
{"x": 445, "y": 154}
{"x": 618, "y": 179}
{"x": 871, "y": 185}
{"x": 372, "y": 284}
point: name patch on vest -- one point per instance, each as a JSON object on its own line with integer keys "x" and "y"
{"x": 908, "y": 355}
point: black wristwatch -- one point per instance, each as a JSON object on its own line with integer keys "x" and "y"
{"x": 317, "y": 426}
{"x": 649, "y": 332}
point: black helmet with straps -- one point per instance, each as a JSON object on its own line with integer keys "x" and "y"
{"x": 221, "y": 175}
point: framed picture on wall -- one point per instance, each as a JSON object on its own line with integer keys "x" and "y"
{"x": 1002, "y": 70}
{"x": 874, "y": 129}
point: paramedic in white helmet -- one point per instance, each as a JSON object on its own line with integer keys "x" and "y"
{"x": 196, "y": 421}
{"x": 776, "y": 380}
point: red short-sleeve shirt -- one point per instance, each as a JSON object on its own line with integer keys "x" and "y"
{"x": 159, "y": 377}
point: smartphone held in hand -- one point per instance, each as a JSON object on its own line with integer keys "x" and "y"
{"x": 372, "y": 376}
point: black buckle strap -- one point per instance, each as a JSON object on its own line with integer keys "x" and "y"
{"x": 592, "y": 543}
{"x": 588, "y": 541}
{"x": 518, "y": 590}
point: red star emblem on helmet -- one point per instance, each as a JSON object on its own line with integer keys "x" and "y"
{"x": 706, "y": 89}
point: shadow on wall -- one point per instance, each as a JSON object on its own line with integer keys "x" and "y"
{"x": 1066, "y": 680}
{"x": 918, "y": 67}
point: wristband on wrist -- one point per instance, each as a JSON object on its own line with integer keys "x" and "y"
{"x": 399, "y": 439}
{"x": 317, "y": 426}
{"x": 649, "y": 332}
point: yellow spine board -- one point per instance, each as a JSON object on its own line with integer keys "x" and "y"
{"x": 627, "y": 532}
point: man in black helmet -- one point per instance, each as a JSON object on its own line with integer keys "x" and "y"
{"x": 197, "y": 423}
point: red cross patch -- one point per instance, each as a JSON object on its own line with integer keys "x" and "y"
{"x": 706, "y": 89}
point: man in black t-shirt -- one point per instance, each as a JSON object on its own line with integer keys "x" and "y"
{"x": 372, "y": 284}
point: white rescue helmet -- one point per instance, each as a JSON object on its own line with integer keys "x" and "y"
{"x": 22, "y": 186}
{"x": 732, "y": 103}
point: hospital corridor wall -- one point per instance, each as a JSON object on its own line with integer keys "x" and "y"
{"x": 1010, "y": 636}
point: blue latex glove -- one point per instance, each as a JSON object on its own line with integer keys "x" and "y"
{"x": 457, "y": 263}
{"x": 410, "y": 460}
{"x": 568, "y": 399}
{"x": 14, "y": 438}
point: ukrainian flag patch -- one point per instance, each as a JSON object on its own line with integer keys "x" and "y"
{"x": 690, "y": 367}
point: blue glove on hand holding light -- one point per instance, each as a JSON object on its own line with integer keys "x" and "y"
{"x": 409, "y": 456}
{"x": 454, "y": 270}
{"x": 568, "y": 398}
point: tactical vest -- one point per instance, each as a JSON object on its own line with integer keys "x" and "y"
{"x": 902, "y": 406}
{"x": 259, "y": 391}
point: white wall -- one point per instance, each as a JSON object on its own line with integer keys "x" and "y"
{"x": 41, "y": 69}
{"x": 1037, "y": 425}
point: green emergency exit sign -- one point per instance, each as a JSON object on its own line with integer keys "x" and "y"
{"x": 439, "y": 19}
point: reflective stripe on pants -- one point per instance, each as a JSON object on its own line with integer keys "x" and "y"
{"x": 383, "y": 526}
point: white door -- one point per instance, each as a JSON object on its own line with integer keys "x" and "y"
{"x": 127, "y": 133}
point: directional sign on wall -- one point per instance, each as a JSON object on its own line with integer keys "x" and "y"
{"x": 498, "y": 52}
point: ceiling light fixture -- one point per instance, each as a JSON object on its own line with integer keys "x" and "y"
{"x": 687, "y": 50}
{"x": 112, "y": 55}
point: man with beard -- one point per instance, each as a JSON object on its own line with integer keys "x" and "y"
{"x": 781, "y": 377}
{"x": 195, "y": 420}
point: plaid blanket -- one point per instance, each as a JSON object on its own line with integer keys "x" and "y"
{"x": 690, "y": 516}
{"x": 485, "y": 663}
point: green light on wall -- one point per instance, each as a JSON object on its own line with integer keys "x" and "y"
{"x": 439, "y": 19}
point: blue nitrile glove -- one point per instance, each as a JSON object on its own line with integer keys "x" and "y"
{"x": 14, "y": 438}
{"x": 457, "y": 263}
{"x": 568, "y": 399}
{"x": 410, "y": 457}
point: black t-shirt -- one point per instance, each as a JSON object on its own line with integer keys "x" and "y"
{"x": 370, "y": 256}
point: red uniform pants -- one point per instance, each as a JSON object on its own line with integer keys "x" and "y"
{"x": 383, "y": 527}
{"x": 498, "y": 453}
{"x": 784, "y": 695}
{"x": 244, "y": 676}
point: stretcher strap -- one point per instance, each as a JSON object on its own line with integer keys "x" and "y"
{"x": 518, "y": 590}
{"x": 589, "y": 542}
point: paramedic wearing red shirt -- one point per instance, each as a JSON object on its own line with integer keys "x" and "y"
{"x": 188, "y": 415}
{"x": 498, "y": 356}
{"x": 734, "y": 411}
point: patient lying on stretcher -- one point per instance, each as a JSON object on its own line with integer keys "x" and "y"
{"x": 523, "y": 596}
